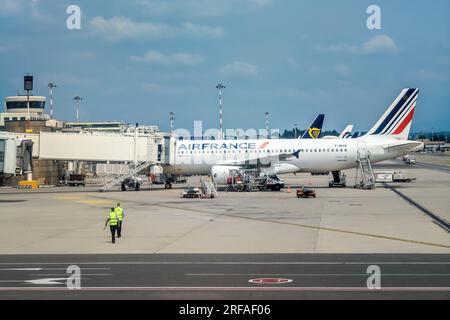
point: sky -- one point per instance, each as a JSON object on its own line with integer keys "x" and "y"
{"x": 138, "y": 60}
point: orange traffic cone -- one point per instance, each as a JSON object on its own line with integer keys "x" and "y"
{"x": 289, "y": 189}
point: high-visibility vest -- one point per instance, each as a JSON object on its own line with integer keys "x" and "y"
{"x": 112, "y": 218}
{"x": 119, "y": 212}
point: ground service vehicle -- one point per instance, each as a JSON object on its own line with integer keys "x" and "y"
{"x": 305, "y": 193}
{"x": 132, "y": 183}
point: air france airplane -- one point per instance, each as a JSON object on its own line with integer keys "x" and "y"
{"x": 347, "y": 133}
{"x": 387, "y": 139}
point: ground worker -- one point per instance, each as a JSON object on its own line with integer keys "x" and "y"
{"x": 113, "y": 222}
{"x": 120, "y": 215}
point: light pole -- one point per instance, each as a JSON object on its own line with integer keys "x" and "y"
{"x": 267, "y": 124}
{"x": 171, "y": 118}
{"x": 78, "y": 99}
{"x": 28, "y": 86}
{"x": 51, "y": 85}
{"x": 220, "y": 87}
{"x": 295, "y": 131}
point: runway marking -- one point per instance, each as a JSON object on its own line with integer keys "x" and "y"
{"x": 84, "y": 200}
{"x": 65, "y": 274}
{"x": 93, "y": 201}
{"x": 38, "y": 269}
{"x": 232, "y": 263}
{"x": 22, "y": 269}
{"x": 333, "y": 289}
{"x": 315, "y": 274}
{"x": 46, "y": 281}
{"x": 371, "y": 235}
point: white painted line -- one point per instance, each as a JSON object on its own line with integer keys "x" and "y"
{"x": 65, "y": 274}
{"x": 315, "y": 274}
{"x": 46, "y": 281}
{"x": 231, "y": 263}
{"x": 21, "y": 269}
{"x": 319, "y": 289}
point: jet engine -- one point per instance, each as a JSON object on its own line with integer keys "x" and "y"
{"x": 219, "y": 174}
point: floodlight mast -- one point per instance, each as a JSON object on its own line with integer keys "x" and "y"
{"x": 220, "y": 87}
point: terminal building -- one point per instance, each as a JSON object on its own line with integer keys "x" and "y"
{"x": 51, "y": 143}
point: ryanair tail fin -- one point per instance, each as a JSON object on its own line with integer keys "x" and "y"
{"x": 314, "y": 130}
{"x": 396, "y": 121}
{"x": 347, "y": 133}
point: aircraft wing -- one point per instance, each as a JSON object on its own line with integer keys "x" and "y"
{"x": 407, "y": 146}
{"x": 261, "y": 161}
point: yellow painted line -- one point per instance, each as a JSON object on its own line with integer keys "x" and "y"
{"x": 370, "y": 235}
{"x": 69, "y": 197}
{"x": 93, "y": 201}
{"x": 85, "y": 200}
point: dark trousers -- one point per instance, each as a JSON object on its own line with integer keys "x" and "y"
{"x": 119, "y": 229}
{"x": 113, "y": 233}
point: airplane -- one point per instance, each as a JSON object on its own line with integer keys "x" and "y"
{"x": 387, "y": 139}
{"x": 355, "y": 135}
{"x": 345, "y": 134}
{"x": 314, "y": 130}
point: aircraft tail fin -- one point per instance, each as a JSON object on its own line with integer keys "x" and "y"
{"x": 396, "y": 121}
{"x": 347, "y": 132}
{"x": 314, "y": 130}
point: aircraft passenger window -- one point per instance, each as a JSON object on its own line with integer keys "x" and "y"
{"x": 328, "y": 150}
{"x": 315, "y": 150}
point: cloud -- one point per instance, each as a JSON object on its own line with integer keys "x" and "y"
{"x": 176, "y": 59}
{"x": 119, "y": 28}
{"x": 207, "y": 8}
{"x": 10, "y": 6}
{"x": 342, "y": 69}
{"x": 377, "y": 44}
{"x": 304, "y": 67}
{"x": 240, "y": 68}
{"x": 30, "y": 8}
{"x": 381, "y": 43}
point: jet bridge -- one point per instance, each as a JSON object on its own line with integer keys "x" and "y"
{"x": 150, "y": 148}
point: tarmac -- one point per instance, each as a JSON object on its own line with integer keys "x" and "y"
{"x": 226, "y": 276}
{"x": 395, "y": 219}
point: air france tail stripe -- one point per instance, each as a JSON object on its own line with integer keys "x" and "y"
{"x": 401, "y": 117}
{"x": 405, "y": 122}
{"x": 398, "y": 101}
{"x": 401, "y": 113}
{"x": 394, "y": 111}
